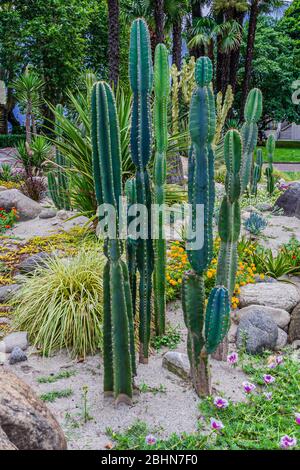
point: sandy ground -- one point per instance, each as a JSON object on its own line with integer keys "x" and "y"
{"x": 172, "y": 410}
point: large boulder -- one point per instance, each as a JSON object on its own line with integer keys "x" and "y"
{"x": 5, "y": 443}
{"x": 275, "y": 294}
{"x": 281, "y": 317}
{"x": 25, "y": 419}
{"x": 289, "y": 201}
{"x": 257, "y": 332}
{"x": 18, "y": 339}
{"x": 30, "y": 264}
{"x": 281, "y": 340}
{"x": 26, "y": 207}
{"x": 294, "y": 328}
{"x": 6, "y": 292}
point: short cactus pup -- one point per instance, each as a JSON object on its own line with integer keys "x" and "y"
{"x": 141, "y": 82}
{"x": 162, "y": 90}
{"x": 206, "y": 326}
{"x": 271, "y": 144}
{"x": 257, "y": 171}
{"x": 118, "y": 328}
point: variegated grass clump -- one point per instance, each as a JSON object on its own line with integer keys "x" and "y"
{"x": 60, "y": 306}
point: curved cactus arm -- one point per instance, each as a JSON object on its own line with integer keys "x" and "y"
{"x": 249, "y": 132}
{"x": 162, "y": 90}
{"x": 217, "y": 318}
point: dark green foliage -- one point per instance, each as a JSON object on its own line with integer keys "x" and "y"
{"x": 11, "y": 140}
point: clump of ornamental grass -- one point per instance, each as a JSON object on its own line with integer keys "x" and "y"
{"x": 60, "y": 306}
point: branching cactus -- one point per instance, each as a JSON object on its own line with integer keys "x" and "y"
{"x": 257, "y": 171}
{"x": 141, "y": 82}
{"x": 230, "y": 216}
{"x": 271, "y": 144}
{"x": 58, "y": 181}
{"x": 206, "y": 329}
{"x": 118, "y": 328}
{"x": 249, "y": 132}
{"x": 162, "y": 90}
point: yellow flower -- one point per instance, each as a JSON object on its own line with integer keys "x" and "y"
{"x": 234, "y": 306}
{"x": 209, "y": 274}
{"x": 214, "y": 261}
{"x": 262, "y": 276}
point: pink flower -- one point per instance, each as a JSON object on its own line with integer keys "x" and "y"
{"x": 272, "y": 365}
{"x": 232, "y": 358}
{"x": 220, "y": 402}
{"x": 287, "y": 441}
{"x": 297, "y": 417}
{"x": 269, "y": 379}
{"x": 268, "y": 395}
{"x": 248, "y": 387}
{"x": 215, "y": 424}
{"x": 279, "y": 360}
{"x": 150, "y": 440}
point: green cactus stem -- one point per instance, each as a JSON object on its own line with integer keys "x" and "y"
{"x": 141, "y": 82}
{"x": 257, "y": 172}
{"x": 271, "y": 145}
{"x": 249, "y": 132}
{"x": 118, "y": 334}
{"x": 162, "y": 91}
{"x": 58, "y": 181}
{"x": 131, "y": 245}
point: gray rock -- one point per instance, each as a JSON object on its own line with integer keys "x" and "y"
{"x": 177, "y": 363}
{"x": 5, "y": 443}
{"x": 294, "y": 328}
{"x": 62, "y": 214}
{"x": 264, "y": 207}
{"x": 47, "y": 214}
{"x": 33, "y": 262}
{"x": 25, "y": 419}
{"x": 26, "y": 207}
{"x": 281, "y": 340}
{"x": 18, "y": 339}
{"x": 256, "y": 332}
{"x": 267, "y": 279}
{"x": 296, "y": 344}
{"x": 289, "y": 201}
{"x": 17, "y": 355}
{"x": 3, "y": 188}
{"x": 6, "y": 292}
{"x": 281, "y": 317}
{"x": 275, "y": 294}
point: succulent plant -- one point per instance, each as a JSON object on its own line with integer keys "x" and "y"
{"x": 141, "y": 82}
{"x": 162, "y": 90}
{"x": 58, "y": 182}
{"x": 271, "y": 144}
{"x": 206, "y": 327}
{"x": 118, "y": 327}
{"x": 249, "y": 132}
{"x": 255, "y": 223}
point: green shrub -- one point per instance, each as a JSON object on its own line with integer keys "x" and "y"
{"x": 288, "y": 144}
{"x": 61, "y": 305}
{"x": 11, "y": 140}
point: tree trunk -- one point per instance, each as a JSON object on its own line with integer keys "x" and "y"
{"x": 249, "y": 52}
{"x": 113, "y": 41}
{"x": 28, "y": 123}
{"x": 3, "y": 119}
{"x": 201, "y": 377}
{"x": 235, "y": 57}
{"x": 159, "y": 17}
{"x": 177, "y": 43}
{"x": 219, "y": 71}
{"x": 175, "y": 170}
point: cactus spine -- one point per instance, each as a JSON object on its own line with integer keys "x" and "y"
{"x": 58, "y": 181}
{"x": 249, "y": 132}
{"x": 118, "y": 330}
{"x": 162, "y": 90}
{"x": 230, "y": 217}
{"x": 205, "y": 329}
{"x": 257, "y": 172}
{"x": 271, "y": 144}
{"x": 141, "y": 82}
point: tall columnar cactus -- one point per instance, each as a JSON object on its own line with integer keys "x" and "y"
{"x": 131, "y": 245}
{"x": 257, "y": 171}
{"x": 162, "y": 90}
{"x": 118, "y": 329}
{"x": 249, "y": 132}
{"x": 271, "y": 144}
{"x": 58, "y": 181}
{"x": 141, "y": 82}
{"x": 205, "y": 329}
{"x": 230, "y": 216}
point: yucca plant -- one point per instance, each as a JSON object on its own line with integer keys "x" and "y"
{"x": 60, "y": 305}
{"x": 274, "y": 266}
